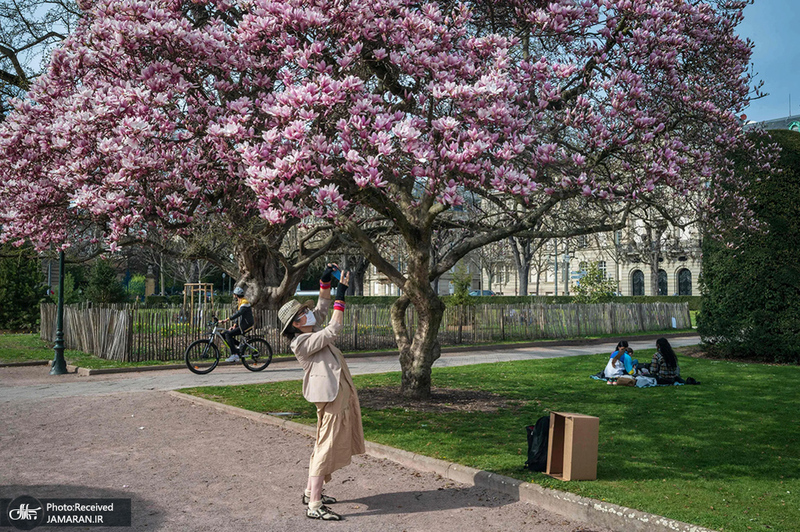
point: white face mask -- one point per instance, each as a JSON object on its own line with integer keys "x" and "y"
{"x": 311, "y": 320}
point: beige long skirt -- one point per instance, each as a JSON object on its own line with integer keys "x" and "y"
{"x": 339, "y": 431}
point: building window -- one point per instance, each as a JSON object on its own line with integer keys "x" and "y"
{"x": 602, "y": 267}
{"x": 637, "y": 283}
{"x": 684, "y": 282}
{"x": 662, "y": 283}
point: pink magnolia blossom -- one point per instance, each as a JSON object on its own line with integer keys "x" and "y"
{"x": 155, "y": 113}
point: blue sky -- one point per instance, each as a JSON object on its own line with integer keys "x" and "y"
{"x": 773, "y": 25}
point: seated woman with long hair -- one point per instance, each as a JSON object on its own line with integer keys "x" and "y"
{"x": 664, "y": 366}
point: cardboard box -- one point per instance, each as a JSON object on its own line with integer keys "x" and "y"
{"x": 572, "y": 448}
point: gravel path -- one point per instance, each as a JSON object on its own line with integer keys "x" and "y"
{"x": 192, "y": 468}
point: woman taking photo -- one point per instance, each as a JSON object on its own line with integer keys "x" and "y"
{"x": 328, "y": 384}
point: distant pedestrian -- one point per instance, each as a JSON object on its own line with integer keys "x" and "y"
{"x": 328, "y": 384}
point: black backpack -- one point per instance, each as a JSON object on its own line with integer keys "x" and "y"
{"x": 538, "y": 438}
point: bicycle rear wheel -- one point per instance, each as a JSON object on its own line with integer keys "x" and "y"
{"x": 256, "y": 355}
{"x": 201, "y": 357}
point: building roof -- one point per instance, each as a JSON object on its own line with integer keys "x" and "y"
{"x": 788, "y": 122}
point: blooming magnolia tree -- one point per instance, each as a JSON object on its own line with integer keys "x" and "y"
{"x": 413, "y": 113}
{"x": 127, "y": 132}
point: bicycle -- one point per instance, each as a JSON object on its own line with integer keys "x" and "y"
{"x": 202, "y": 356}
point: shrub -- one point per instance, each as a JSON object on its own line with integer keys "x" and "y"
{"x": 462, "y": 281}
{"x": 594, "y": 287}
{"x": 136, "y": 286}
{"x": 21, "y": 288}
{"x": 104, "y": 287}
{"x": 71, "y": 294}
{"x": 751, "y": 295}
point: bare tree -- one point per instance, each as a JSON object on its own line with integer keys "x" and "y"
{"x": 529, "y": 255}
{"x": 29, "y": 29}
{"x": 651, "y": 234}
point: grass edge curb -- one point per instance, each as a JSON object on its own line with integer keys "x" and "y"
{"x": 587, "y": 510}
{"x": 25, "y": 363}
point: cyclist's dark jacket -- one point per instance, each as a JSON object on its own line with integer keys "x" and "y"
{"x": 244, "y": 315}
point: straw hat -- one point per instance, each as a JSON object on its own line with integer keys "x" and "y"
{"x": 288, "y": 311}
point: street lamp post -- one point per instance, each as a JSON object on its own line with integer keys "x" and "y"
{"x": 59, "y": 366}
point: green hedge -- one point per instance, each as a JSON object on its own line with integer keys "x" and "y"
{"x": 694, "y": 301}
{"x": 168, "y": 301}
{"x": 751, "y": 306}
{"x": 387, "y": 301}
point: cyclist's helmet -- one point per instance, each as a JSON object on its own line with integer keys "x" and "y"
{"x": 238, "y": 291}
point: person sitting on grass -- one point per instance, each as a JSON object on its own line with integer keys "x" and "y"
{"x": 664, "y": 366}
{"x": 619, "y": 364}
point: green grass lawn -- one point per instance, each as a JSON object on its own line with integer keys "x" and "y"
{"x": 24, "y": 348}
{"x": 28, "y": 347}
{"x": 725, "y": 454}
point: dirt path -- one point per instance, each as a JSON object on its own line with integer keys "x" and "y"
{"x": 192, "y": 468}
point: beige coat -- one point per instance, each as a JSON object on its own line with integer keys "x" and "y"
{"x": 319, "y": 357}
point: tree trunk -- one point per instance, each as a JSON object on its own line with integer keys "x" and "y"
{"x": 524, "y": 273}
{"x": 521, "y": 250}
{"x": 654, "y": 273}
{"x": 654, "y": 235}
{"x": 420, "y": 351}
{"x": 358, "y": 266}
{"x": 269, "y": 284}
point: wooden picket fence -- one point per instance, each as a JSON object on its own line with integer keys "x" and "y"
{"x": 131, "y": 333}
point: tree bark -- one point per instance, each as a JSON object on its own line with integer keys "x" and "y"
{"x": 523, "y": 250}
{"x": 654, "y": 235}
{"x": 419, "y": 351}
{"x": 269, "y": 282}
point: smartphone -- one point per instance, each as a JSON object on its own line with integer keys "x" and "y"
{"x": 337, "y": 274}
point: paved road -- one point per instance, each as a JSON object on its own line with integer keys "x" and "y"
{"x": 25, "y": 384}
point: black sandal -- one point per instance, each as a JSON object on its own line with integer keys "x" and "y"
{"x": 325, "y": 499}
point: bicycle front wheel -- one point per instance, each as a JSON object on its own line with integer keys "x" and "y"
{"x": 202, "y": 357}
{"x": 257, "y": 354}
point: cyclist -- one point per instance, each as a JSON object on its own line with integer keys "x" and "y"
{"x": 245, "y": 322}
